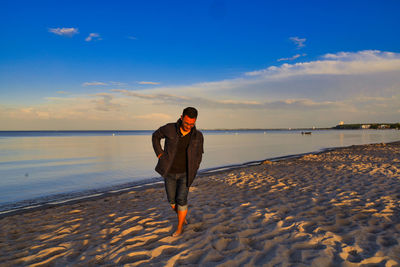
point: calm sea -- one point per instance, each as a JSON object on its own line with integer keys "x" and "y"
{"x": 56, "y": 165}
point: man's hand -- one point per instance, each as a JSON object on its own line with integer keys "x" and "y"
{"x": 159, "y": 156}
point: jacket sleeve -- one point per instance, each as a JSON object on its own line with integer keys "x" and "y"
{"x": 202, "y": 148}
{"x": 156, "y": 138}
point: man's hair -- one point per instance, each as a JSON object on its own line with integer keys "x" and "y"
{"x": 190, "y": 112}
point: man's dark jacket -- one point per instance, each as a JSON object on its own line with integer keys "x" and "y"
{"x": 171, "y": 133}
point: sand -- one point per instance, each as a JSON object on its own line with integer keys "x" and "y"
{"x": 337, "y": 208}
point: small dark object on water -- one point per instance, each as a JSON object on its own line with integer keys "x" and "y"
{"x": 305, "y": 132}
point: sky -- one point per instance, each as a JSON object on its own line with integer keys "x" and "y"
{"x": 135, "y": 65}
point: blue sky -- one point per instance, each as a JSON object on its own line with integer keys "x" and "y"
{"x": 257, "y": 64}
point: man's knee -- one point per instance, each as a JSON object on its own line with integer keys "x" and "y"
{"x": 181, "y": 201}
{"x": 182, "y": 207}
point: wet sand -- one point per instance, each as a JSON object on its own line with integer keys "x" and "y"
{"x": 337, "y": 208}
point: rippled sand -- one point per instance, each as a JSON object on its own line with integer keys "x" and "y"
{"x": 338, "y": 208}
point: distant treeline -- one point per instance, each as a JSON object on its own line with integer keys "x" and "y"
{"x": 368, "y": 126}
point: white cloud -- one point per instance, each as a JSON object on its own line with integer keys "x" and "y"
{"x": 365, "y": 55}
{"x": 94, "y": 83}
{"x": 83, "y": 107}
{"x": 291, "y": 58}
{"x": 118, "y": 83}
{"x": 93, "y": 36}
{"x": 335, "y": 81}
{"x": 342, "y": 63}
{"x": 105, "y": 102}
{"x": 53, "y": 98}
{"x": 64, "y": 31}
{"x": 207, "y": 102}
{"x": 298, "y": 41}
{"x": 131, "y": 38}
{"x": 35, "y": 113}
{"x": 365, "y": 99}
{"x": 152, "y": 83}
{"x": 153, "y": 116}
{"x": 97, "y": 111}
{"x": 158, "y": 97}
{"x": 303, "y": 104}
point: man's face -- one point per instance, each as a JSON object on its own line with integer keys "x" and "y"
{"x": 187, "y": 123}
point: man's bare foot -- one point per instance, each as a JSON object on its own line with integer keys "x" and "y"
{"x": 181, "y": 219}
{"x": 177, "y": 233}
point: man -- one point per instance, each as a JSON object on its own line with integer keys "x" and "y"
{"x": 179, "y": 161}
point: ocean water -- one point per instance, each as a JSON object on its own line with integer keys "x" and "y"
{"x": 53, "y": 164}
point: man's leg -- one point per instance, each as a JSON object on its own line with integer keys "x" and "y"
{"x": 181, "y": 220}
{"x": 170, "y": 189}
{"x": 181, "y": 200}
{"x": 170, "y": 183}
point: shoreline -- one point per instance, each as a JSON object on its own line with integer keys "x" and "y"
{"x": 45, "y": 202}
{"x": 62, "y": 199}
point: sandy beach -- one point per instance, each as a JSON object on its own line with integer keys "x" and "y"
{"x": 337, "y": 208}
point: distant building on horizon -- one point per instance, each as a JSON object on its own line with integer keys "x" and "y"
{"x": 384, "y": 126}
{"x": 368, "y": 126}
